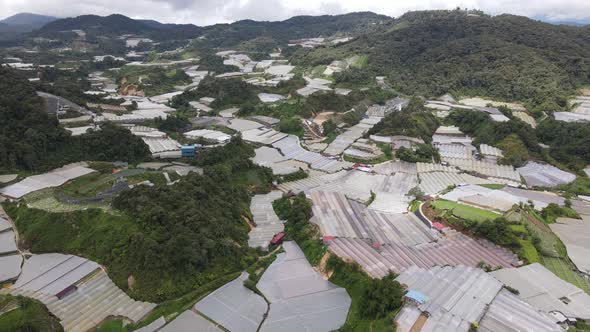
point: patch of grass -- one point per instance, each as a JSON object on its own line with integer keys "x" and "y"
{"x": 494, "y": 186}
{"x": 361, "y": 61}
{"x": 383, "y": 158}
{"x": 112, "y": 326}
{"x": 465, "y": 211}
{"x": 564, "y": 270}
{"x": 415, "y": 205}
{"x": 581, "y": 186}
{"x": 528, "y": 251}
{"x": 88, "y": 185}
{"x": 331, "y": 137}
{"x": 155, "y": 178}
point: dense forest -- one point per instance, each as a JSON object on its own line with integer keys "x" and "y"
{"x": 466, "y": 53}
{"x": 32, "y": 139}
{"x": 413, "y": 121}
{"x": 165, "y": 240}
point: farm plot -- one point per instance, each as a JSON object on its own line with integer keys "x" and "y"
{"x": 465, "y": 211}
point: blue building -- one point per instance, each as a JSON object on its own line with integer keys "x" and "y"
{"x": 188, "y": 151}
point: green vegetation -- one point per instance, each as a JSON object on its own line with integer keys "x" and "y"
{"x": 300, "y": 174}
{"x": 465, "y": 211}
{"x": 27, "y": 315}
{"x": 172, "y": 308}
{"x": 297, "y": 212}
{"x": 424, "y": 153}
{"x": 227, "y": 92}
{"x": 568, "y": 142}
{"x": 515, "y": 138}
{"x": 413, "y": 121}
{"x": 365, "y": 292}
{"x": 581, "y": 186}
{"x": 112, "y": 326}
{"x": 493, "y": 186}
{"x": 505, "y": 57}
{"x": 33, "y": 140}
{"x": 291, "y": 125}
{"x": 170, "y": 239}
{"x": 553, "y": 211}
{"x": 88, "y": 185}
{"x": 564, "y": 269}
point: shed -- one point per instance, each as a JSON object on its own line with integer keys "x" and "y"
{"x": 416, "y": 296}
{"x": 188, "y": 151}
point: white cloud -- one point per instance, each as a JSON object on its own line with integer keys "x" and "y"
{"x": 205, "y": 12}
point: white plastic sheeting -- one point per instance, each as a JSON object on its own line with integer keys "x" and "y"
{"x": 54, "y": 178}
{"x": 266, "y": 220}
{"x": 301, "y": 300}
{"x": 544, "y": 175}
{"x": 545, "y": 291}
{"x": 234, "y": 306}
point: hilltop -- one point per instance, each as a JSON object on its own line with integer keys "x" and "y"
{"x": 470, "y": 53}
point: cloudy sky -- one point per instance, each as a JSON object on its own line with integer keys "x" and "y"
{"x": 205, "y": 12}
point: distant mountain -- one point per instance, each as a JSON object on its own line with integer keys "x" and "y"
{"x": 228, "y": 35}
{"x": 220, "y": 35}
{"x": 15, "y": 26}
{"x": 34, "y": 21}
{"x": 470, "y": 53}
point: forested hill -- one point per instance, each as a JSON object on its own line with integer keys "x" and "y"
{"x": 221, "y": 35}
{"x": 280, "y": 32}
{"x": 116, "y": 25}
{"x": 33, "y": 140}
{"x": 506, "y": 56}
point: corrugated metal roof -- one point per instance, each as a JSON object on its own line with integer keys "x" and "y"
{"x": 456, "y": 250}
{"x": 340, "y": 217}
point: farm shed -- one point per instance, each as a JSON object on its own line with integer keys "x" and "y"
{"x": 210, "y": 135}
{"x": 544, "y": 175}
{"x": 509, "y": 313}
{"x": 273, "y": 159}
{"x": 340, "y": 217}
{"x": 54, "y": 178}
{"x": 75, "y": 290}
{"x": 291, "y": 149}
{"x": 575, "y": 234}
{"x": 233, "y": 306}
{"x": 266, "y": 220}
{"x": 456, "y": 296}
{"x": 190, "y": 321}
{"x": 456, "y": 249}
{"x": 300, "y": 299}
{"x": 310, "y": 182}
{"x": 545, "y": 291}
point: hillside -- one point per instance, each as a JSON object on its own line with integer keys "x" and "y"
{"x": 506, "y": 56}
